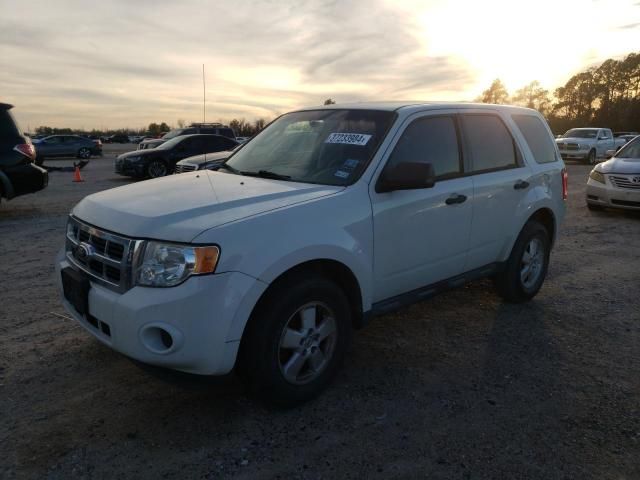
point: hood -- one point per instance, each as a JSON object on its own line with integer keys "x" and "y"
{"x": 179, "y": 207}
{"x": 207, "y": 157}
{"x": 137, "y": 153}
{"x": 620, "y": 165}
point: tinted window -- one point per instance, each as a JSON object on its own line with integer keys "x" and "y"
{"x": 490, "y": 143}
{"x": 430, "y": 140}
{"x": 537, "y": 138}
{"x": 226, "y": 132}
{"x": 54, "y": 140}
{"x": 213, "y": 143}
{"x": 7, "y": 126}
{"x": 228, "y": 144}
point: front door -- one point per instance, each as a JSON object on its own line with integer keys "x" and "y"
{"x": 421, "y": 236}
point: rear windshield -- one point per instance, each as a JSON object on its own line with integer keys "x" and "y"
{"x": 8, "y": 127}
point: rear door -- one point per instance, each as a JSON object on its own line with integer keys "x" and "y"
{"x": 501, "y": 182}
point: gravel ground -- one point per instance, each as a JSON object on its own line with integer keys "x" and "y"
{"x": 460, "y": 386}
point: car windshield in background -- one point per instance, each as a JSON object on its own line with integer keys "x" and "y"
{"x": 172, "y": 134}
{"x": 630, "y": 150}
{"x": 170, "y": 143}
{"x": 330, "y": 147}
{"x": 577, "y": 133}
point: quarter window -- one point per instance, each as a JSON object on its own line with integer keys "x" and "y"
{"x": 490, "y": 143}
{"x": 431, "y": 140}
{"x": 537, "y": 137}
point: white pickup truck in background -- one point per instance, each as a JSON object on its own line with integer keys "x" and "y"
{"x": 589, "y": 144}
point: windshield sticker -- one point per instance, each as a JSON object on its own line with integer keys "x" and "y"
{"x": 351, "y": 163}
{"x": 341, "y": 174}
{"x": 348, "y": 138}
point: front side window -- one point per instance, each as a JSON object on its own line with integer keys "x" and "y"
{"x": 490, "y": 143}
{"x": 537, "y": 137}
{"x": 330, "y": 147}
{"x": 431, "y": 140}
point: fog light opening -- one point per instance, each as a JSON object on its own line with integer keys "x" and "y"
{"x": 158, "y": 340}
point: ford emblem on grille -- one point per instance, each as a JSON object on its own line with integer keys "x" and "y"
{"x": 84, "y": 252}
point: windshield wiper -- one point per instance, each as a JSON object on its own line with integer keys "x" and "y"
{"x": 231, "y": 169}
{"x": 266, "y": 174}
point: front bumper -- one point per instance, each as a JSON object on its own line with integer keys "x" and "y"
{"x": 574, "y": 154}
{"x": 607, "y": 195}
{"x": 202, "y": 316}
{"x": 130, "y": 169}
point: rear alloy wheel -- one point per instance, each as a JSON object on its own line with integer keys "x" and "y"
{"x": 84, "y": 153}
{"x": 592, "y": 157}
{"x": 156, "y": 169}
{"x": 296, "y": 340}
{"x": 526, "y": 268}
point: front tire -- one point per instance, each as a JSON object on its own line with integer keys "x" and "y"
{"x": 527, "y": 265}
{"x": 296, "y": 340}
{"x": 156, "y": 169}
{"x": 591, "y": 158}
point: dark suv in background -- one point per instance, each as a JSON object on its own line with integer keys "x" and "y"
{"x": 18, "y": 174}
{"x": 207, "y": 128}
{"x": 161, "y": 161}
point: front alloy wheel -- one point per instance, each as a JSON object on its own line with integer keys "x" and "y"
{"x": 307, "y": 343}
{"x": 156, "y": 169}
{"x": 84, "y": 153}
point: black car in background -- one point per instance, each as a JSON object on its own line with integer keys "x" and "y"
{"x": 18, "y": 174}
{"x": 161, "y": 161}
{"x": 208, "y": 128}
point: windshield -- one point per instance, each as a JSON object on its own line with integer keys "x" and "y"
{"x": 630, "y": 150}
{"x": 172, "y": 134}
{"x": 170, "y": 143}
{"x": 330, "y": 147}
{"x": 581, "y": 133}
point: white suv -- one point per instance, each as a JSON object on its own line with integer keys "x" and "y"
{"x": 329, "y": 216}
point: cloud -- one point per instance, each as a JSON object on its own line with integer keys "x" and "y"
{"x": 630, "y": 26}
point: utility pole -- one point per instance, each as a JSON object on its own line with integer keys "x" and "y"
{"x": 204, "y": 98}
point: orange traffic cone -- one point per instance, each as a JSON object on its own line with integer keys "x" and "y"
{"x": 76, "y": 175}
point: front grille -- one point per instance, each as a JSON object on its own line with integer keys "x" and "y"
{"x": 626, "y": 182}
{"x": 104, "y": 256}
{"x": 182, "y": 168}
{"x": 572, "y": 146}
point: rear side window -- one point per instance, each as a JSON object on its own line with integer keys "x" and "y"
{"x": 537, "y": 137}
{"x": 431, "y": 140}
{"x": 226, "y": 132}
{"x": 491, "y": 145}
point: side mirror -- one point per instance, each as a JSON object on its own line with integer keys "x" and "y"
{"x": 610, "y": 153}
{"x": 406, "y": 176}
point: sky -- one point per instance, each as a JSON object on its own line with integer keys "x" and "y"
{"x": 126, "y": 63}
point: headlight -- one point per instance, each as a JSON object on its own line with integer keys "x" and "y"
{"x": 597, "y": 176}
{"x": 168, "y": 264}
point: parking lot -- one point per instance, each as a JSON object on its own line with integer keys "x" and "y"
{"x": 460, "y": 386}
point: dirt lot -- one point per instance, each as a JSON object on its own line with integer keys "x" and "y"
{"x": 461, "y": 386}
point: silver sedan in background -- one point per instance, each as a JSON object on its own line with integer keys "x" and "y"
{"x": 616, "y": 182}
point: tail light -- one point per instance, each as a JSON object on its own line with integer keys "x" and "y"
{"x": 565, "y": 184}
{"x": 27, "y": 149}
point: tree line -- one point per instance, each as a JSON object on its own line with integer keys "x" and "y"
{"x": 607, "y": 95}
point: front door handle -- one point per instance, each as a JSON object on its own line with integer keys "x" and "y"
{"x": 521, "y": 185}
{"x": 455, "y": 198}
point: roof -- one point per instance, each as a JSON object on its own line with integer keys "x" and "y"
{"x": 409, "y": 106}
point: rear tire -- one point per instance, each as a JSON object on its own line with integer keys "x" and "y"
{"x": 296, "y": 340}
{"x": 84, "y": 153}
{"x": 39, "y": 161}
{"x": 527, "y": 265}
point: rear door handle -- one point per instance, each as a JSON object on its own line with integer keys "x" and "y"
{"x": 521, "y": 185}
{"x": 455, "y": 198}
